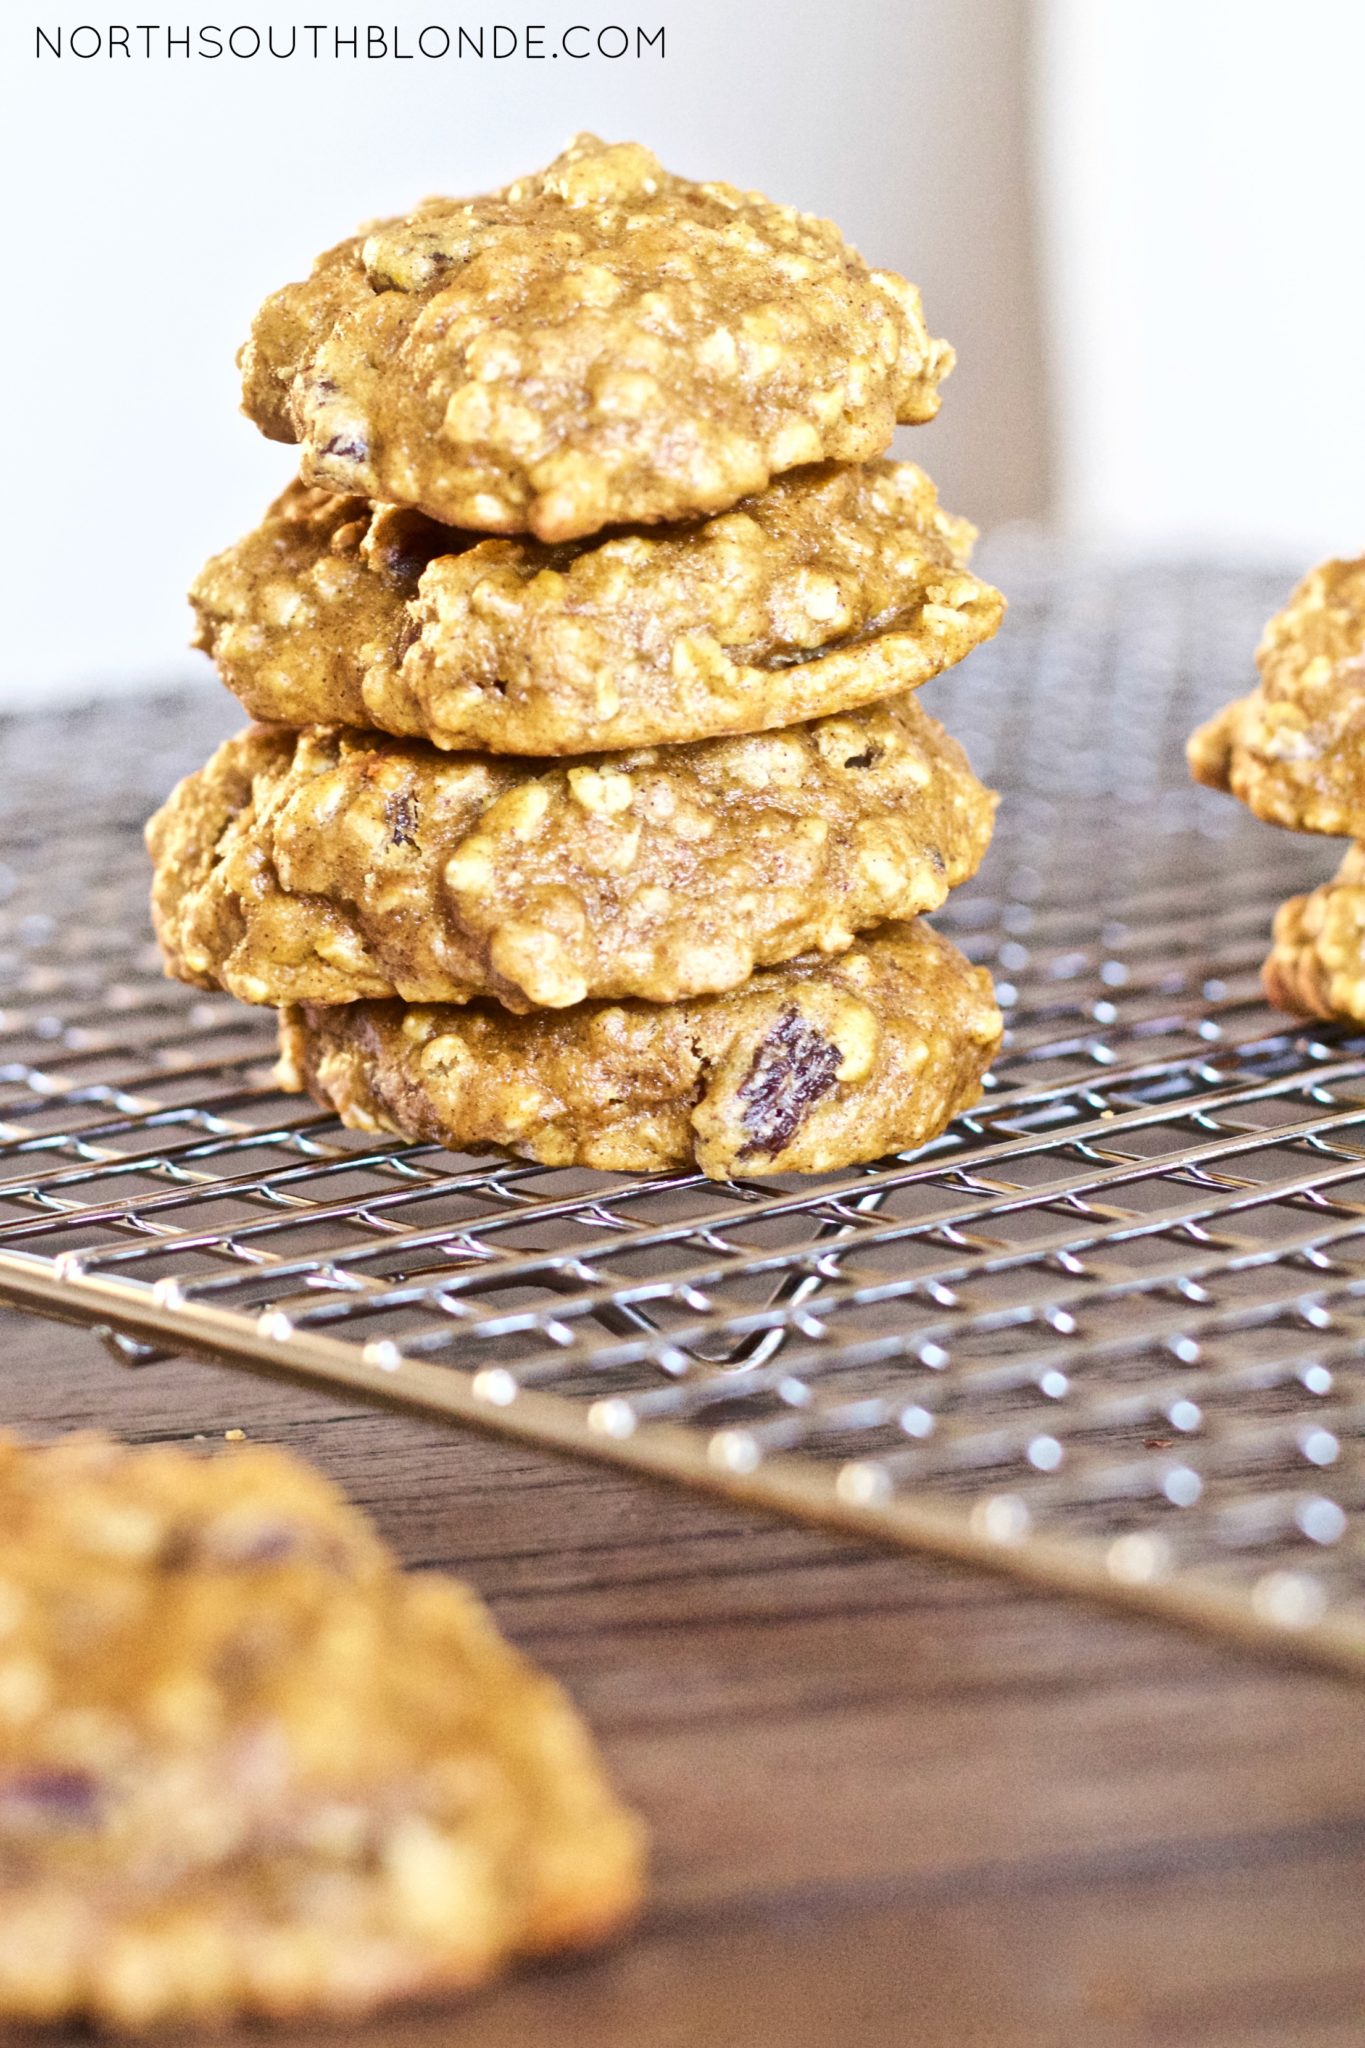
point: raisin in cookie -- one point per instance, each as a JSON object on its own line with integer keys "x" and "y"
{"x": 326, "y": 866}
{"x": 603, "y": 342}
{"x": 807, "y": 1067}
{"x": 1294, "y": 750}
{"x": 248, "y": 1767}
{"x": 832, "y": 589}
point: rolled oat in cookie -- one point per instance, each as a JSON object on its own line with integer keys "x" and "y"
{"x": 1293, "y": 751}
{"x": 835, "y": 587}
{"x": 328, "y": 866}
{"x": 807, "y": 1067}
{"x": 599, "y": 343}
{"x": 249, "y": 1768}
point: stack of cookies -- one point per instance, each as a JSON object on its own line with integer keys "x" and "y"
{"x": 1293, "y": 751}
{"x": 590, "y": 812}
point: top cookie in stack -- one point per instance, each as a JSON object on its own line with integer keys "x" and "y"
{"x": 600, "y": 344}
{"x": 589, "y": 470}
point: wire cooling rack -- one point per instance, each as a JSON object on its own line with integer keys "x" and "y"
{"x": 1108, "y": 1333}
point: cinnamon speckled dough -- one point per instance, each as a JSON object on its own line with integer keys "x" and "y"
{"x": 808, "y": 1067}
{"x": 325, "y": 865}
{"x": 603, "y": 342}
{"x": 1316, "y": 966}
{"x": 1294, "y": 750}
{"x": 832, "y": 589}
{"x": 247, "y": 1767}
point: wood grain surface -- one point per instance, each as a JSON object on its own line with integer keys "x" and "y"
{"x": 893, "y": 1802}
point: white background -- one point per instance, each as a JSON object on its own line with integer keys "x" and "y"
{"x": 1173, "y": 182}
{"x": 1202, "y": 164}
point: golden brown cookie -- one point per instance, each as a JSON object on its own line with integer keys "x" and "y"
{"x": 248, "y": 1767}
{"x": 1294, "y": 750}
{"x": 807, "y": 1067}
{"x": 832, "y": 589}
{"x": 1316, "y": 966}
{"x": 600, "y": 343}
{"x": 325, "y": 866}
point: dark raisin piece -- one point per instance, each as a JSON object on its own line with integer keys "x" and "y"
{"x": 349, "y": 447}
{"x": 865, "y": 759}
{"x": 239, "y": 1543}
{"x": 400, "y": 815}
{"x": 412, "y": 543}
{"x": 41, "y": 1801}
{"x": 792, "y": 1069}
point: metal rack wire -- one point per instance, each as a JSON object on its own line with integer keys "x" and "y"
{"x": 1107, "y": 1333}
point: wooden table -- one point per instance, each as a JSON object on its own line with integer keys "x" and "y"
{"x": 893, "y": 1803}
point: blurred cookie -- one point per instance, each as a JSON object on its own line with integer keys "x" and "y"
{"x": 600, "y": 343}
{"x": 1316, "y": 966}
{"x": 832, "y": 589}
{"x": 807, "y": 1067}
{"x": 326, "y": 865}
{"x": 1294, "y": 750}
{"x": 249, "y": 1768}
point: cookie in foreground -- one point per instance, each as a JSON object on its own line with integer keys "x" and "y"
{"x": 601, "y": 342}
{"x": 1293, "y": 751}
{"x": 328, "y": 866}
{"x": 807, "y": 1067}
{"x": 1316, "y": 966}
{"x": 248, "y": 1767}
{"x": 834, "y": 587}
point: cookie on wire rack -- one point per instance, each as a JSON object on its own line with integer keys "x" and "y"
{"x": 807, "y": 1067}
{"x": 600, "y": 343}
{"x": 328, "y": 866}
{"x": 833, "y": 588}
{"x": 1316, "y": 965}
{"x": 1293, "y": 750}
